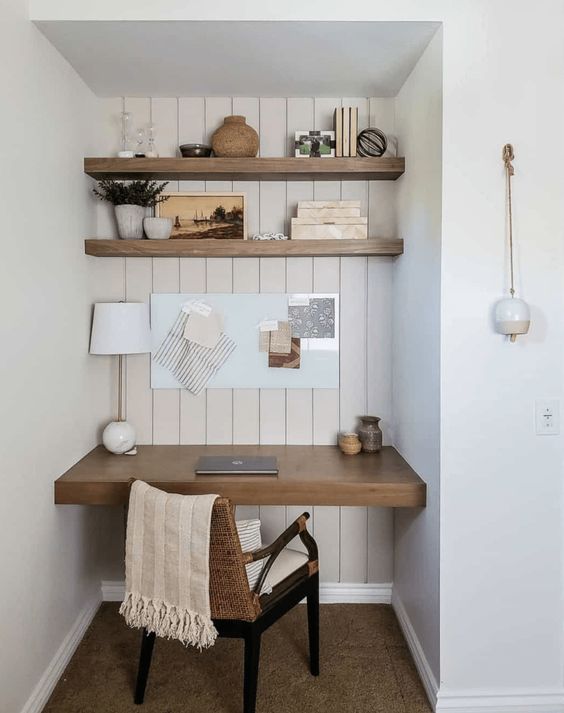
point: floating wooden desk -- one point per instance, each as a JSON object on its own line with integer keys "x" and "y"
{"x": 309, "y": 475}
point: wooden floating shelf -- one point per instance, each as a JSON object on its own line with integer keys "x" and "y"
{"x": 249, "y": 169}
{"x": 317, "y": 475}
{"x": 243, "y": 248}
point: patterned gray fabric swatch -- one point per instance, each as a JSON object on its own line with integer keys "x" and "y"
{"x": 192, "y": 364}
{"x": 313, "y": 321}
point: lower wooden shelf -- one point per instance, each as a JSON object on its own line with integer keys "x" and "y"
{"x": 244, "y": 248}
{"x": 316, "y": 475}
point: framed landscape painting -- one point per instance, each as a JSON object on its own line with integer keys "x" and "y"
{"x": 199, "y": 216}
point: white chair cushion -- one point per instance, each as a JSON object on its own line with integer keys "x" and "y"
{"x": 288, "y": 561}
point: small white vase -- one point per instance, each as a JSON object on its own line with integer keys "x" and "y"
{"x": 118, "y": 437}
{"x": 158, "y": 228}
{"x": 130, "y": 221}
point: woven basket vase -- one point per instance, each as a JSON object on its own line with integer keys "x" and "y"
{"x": 235, "y": 139}
{"x": 349, "y": 444}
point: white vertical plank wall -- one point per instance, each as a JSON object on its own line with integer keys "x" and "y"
{"x": 355, "y": 543}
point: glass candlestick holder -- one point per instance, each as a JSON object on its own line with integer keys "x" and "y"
{"x": 126, "y": 150}
{"x": 151, "y": 151}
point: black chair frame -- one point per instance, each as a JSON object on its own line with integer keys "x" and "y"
{"x": 285, "y": 595}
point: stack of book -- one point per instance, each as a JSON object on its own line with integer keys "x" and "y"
{"x": 329, "y": 220}
{"x": 346, "y": 130}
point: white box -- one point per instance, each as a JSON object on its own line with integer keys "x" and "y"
{"x": 328, "y": 204}
{"x": 344, "y": 229}
{"x": 328, "y": 213}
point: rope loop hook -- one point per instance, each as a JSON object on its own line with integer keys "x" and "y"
{"x": 508, "y": 156}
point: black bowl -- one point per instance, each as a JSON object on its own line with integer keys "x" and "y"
{"x": 195, "y": 151}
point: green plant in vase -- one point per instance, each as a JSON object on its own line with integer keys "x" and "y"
{"x": 130, "y": 199}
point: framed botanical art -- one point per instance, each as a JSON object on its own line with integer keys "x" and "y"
{"x": 199, "y": 216}
{"x": 314, "y": 144}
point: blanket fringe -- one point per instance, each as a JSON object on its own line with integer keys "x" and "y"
{"x": 168, "y": 621}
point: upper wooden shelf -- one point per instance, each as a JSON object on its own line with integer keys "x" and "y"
{"x": 249, "y": 169}
{"x": 317, "y": 475}
{"x": 243, "y": 248}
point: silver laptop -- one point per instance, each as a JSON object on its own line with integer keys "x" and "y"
{"x": 236, "y": 465}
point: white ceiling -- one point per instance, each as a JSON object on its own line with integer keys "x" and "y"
{"x": 332, "y": 59}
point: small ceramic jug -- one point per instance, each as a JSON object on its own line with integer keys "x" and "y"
{"x": 370, "y": 434}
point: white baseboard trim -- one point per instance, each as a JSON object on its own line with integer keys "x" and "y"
{"x": 504, "y": 701}
{"x": 352, "y": 593}
{"x": 113, "y": 591}
{"x": 40, "y": 694}
{"x": 329, "y": 592}
{"x": 423, "y": 668}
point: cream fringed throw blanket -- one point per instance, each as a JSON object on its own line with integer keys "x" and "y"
{"x": 167, "y": 565}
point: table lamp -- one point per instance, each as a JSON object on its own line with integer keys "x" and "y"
{"x": 120, "y": 328}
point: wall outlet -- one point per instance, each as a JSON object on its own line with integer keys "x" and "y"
{"x": 547, "y": 417}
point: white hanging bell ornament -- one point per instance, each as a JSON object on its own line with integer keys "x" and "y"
{"x": 512, "y": 315}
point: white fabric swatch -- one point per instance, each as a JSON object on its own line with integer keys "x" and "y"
{"x": 203, "y": 330}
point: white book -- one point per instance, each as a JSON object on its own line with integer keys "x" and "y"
{"x": 338, "y": 131}
{"x": 353, "y": 130}
{"x": 346, "y": 131}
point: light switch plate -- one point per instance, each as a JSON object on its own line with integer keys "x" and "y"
{"x": 547, "y": 417}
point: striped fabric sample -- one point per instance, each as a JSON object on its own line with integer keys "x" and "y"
{"x": 192, "y": 364}
{"x": 167, "y": 565}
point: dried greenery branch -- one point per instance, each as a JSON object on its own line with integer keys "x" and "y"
{"x": 143, "y": 193}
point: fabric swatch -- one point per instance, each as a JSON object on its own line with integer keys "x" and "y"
{"x": 202, "y": 330}
{"x": 281, "y": 339}
{"x": 286, "y": 361}
{"x": 264, "y": 341}
{"x": 192, "y": 364}
{"x": 313, "y": 321}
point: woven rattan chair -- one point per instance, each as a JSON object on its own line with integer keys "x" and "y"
{"x": 237, "y": 611}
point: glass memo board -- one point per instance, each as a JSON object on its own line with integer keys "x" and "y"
{"x": 247, "y": 368}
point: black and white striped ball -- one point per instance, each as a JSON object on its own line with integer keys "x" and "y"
{"x": 371, "y": 142}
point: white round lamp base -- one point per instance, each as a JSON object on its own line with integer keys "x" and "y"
{"x": 119, "y": 437}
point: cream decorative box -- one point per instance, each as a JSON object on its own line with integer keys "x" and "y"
{"x": 338, "y": 228}
{"x": 328, "y": 204}
{"x": 328, "y": 212}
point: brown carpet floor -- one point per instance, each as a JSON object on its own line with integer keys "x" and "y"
{"x": 365, "y": 668}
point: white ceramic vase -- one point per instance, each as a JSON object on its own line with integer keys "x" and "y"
{"x": 158, "y": 228}
{"x": 118, "y": 437}
{"x": 130, "y": 221}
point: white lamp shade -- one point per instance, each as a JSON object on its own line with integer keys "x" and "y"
{"x": 120, "y": 328}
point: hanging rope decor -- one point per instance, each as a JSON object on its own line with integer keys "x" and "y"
{"x": 512, "y": 315}
{"x": 508, "y": 156}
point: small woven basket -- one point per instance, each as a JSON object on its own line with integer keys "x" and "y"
{"x": 350, "y": 444}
